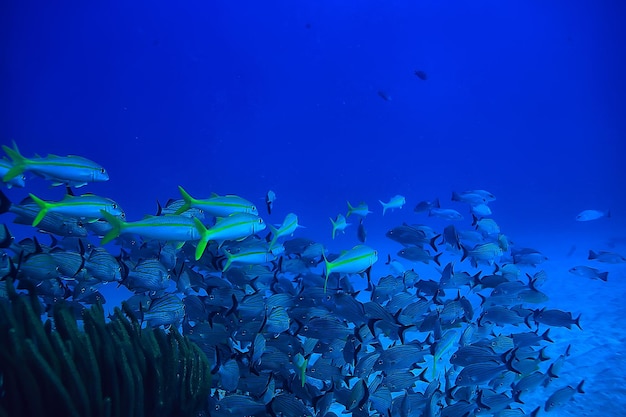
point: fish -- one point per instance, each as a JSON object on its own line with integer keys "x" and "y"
{"x": 417, "y": 254}
{"x": 421, "y": 75}
{"x": 562, "y": 396}
{"x": 270, "y": 197}
{"x": 360, "y": 210}
{"x": 171, "y": 228}
{"x": 165, "y": 311}
{"x": 606, "y": 257}
{"x": 426, "y": 205}
{"x": 481, "y": 210}
{"x": 287, "y": 228}
{"x": 53, "y": 223}
{"x": 70, "y": 170}
{"x": 482, "y": 253}
{"x": 339, "y": 224}
{"x": 446, "y": 214}
{"x": 589, "y": 215}
{"x": 588, "y": 272}
{"x": 396, "y": 202}
{"x": 469, "y": 197}
{"x": 361, "y": 232}
{"x": 237, "y": 226}
{"x": 255, "y": 255}
{"x": 384, "y": 95}
{"x": 216, "y": 205}
{"x": 86, "y": 206}
{"x": 354, "y": 261}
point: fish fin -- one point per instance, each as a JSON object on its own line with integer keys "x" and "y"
{"x": 43, "y": 209}
{"x": 187, "y": 198}
{"x": 116, "y": 224}
{"x": 204, "y": 238}
{"x": 18, "y": 161}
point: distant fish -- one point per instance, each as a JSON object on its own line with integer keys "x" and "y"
{"x": 481, "y": 210}
{"x": 396, "y": 202}
{"x": 361, "y": 210}
{"x": 339, "y": 224}
{"x": 361, "y": 232}
{"x": 384, "y": 95}
{"x": 290, "y": 224}
{"x": 606, "y": 257}
{"x": 421, "y": 75}
{"x": 446, "y": 214}
{"x": 469, "y": 197}
{"x": 426, "y": 205}
{"x": 270, "y": 197}
{"x": 588, "y": 272}
{"x": 588, "y": 215}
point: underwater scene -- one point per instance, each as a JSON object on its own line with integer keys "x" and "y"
{"x": 321, "y": 209}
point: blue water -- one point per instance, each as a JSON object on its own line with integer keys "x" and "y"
{"x": 524, "y": 99}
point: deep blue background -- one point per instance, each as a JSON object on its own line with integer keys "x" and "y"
{"x": 524, "y": 99}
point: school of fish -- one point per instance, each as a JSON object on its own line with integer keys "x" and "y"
{"x": 282, "y": 321}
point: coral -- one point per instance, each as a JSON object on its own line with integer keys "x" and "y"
{"x": 106, "y": 368}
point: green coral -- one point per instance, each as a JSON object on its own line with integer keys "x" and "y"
{"x": 106, "y": 369}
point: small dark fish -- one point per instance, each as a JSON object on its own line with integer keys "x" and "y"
{"x": 421, "y": 75}
{"x": 426, "y": 205}
{"x": 384, "y": 95}
{"x": 361, "y": 232}
{"x": 270, "y": 197}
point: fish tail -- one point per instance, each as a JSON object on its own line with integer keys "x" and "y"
{"x": 43, "y": 209}
{"x": 334, "y": 226}
{"x": 274, "y": 236}
{"x": 229, "y": 260}
{"x": 384, "y": 207}
{"x": 328, "y": 266}
{"x": 187, "y": 198}
{"x": 5, "y": 203}
{"x": 116, "y": 225}
{"x": 592, "y": 255}
{"x": 604, "y": 276}
{"x": 19, "y": 162}
{"x": 204, "y": 237}
{"x": 350, "y": 209}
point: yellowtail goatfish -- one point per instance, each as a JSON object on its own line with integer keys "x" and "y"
{"x": 219, "y": 206}
{"x": 237, "y": 226}
{"x": 354, "y": 261}
{"x": 70, "y": 170}
{"x": 254, "y": 255}
{"x": 290, "y": 224}
{"x": 86, "y": 206}
{"x": 170, "y": 228}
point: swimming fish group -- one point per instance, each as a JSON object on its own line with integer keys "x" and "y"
{"x": 463, "y": 331}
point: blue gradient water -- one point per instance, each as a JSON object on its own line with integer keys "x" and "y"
{"x": 524, "y": 99}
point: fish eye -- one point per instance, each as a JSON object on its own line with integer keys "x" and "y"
{"x": 253, "y": 208}
{"x": 260, "y": 221}
{"x": 102, "y": 171}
